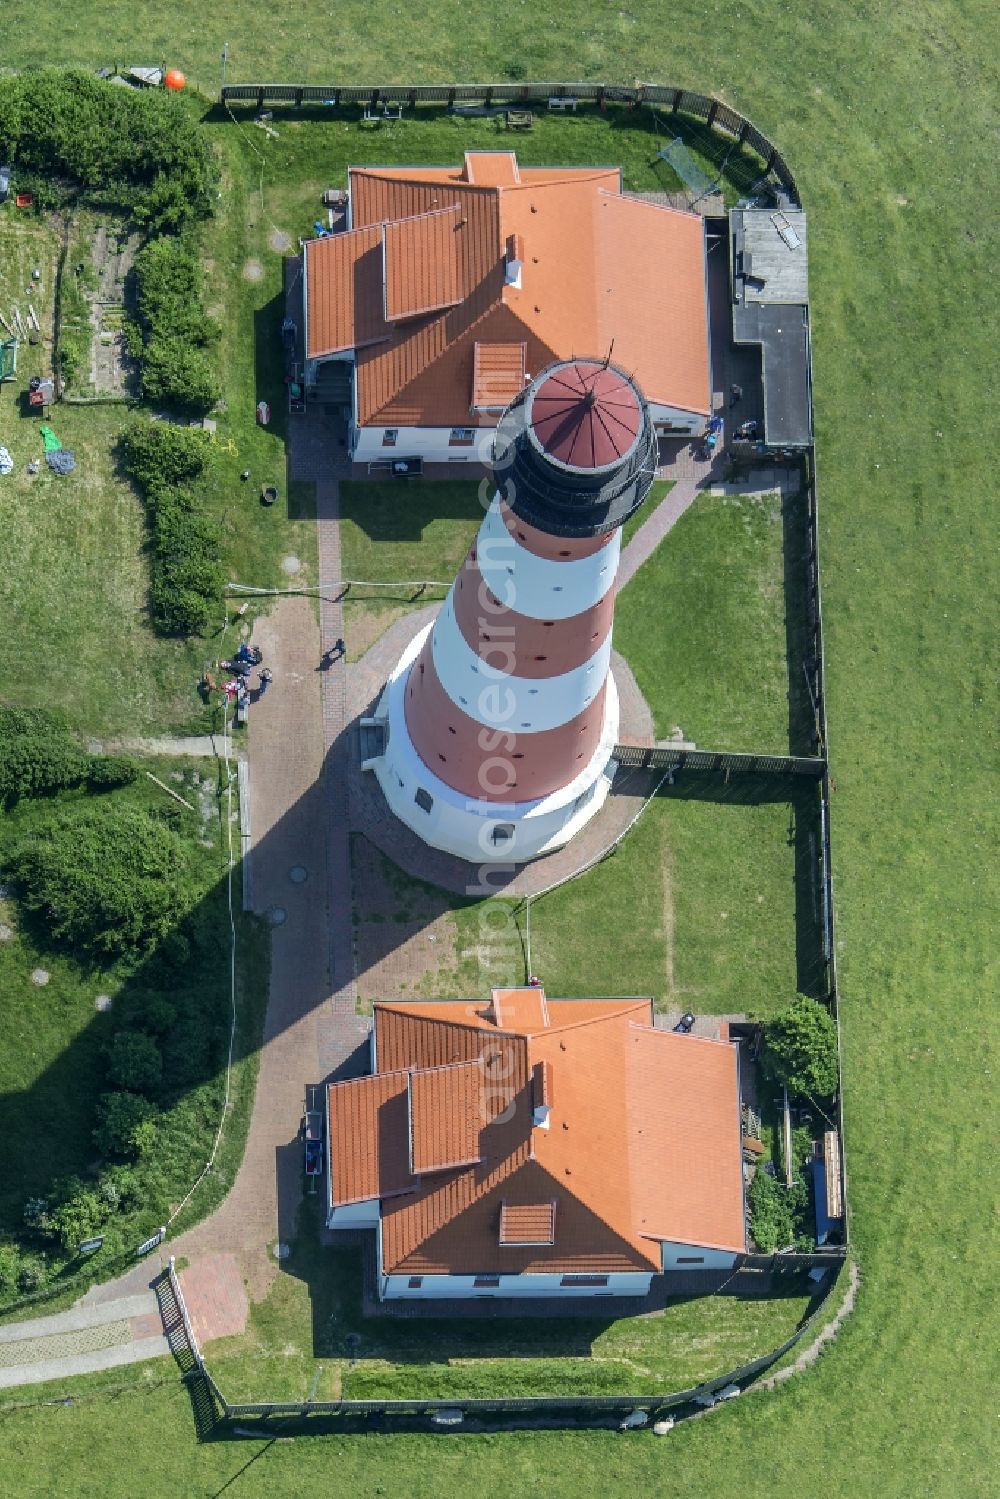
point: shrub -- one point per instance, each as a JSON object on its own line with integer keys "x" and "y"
{"x": 120, "y": 1118}
{"x": 104, "y": 772}
{"x": 10, "y": 1269}
{"x": 30, "y": 1276}
{"x": 158, "y": 455}
{"x": 155, "y": 1014}
{"x": 38, "y": 757}
{"x": 800, "y": 1049}
{"x": 118, "y": 1186}
{"x": 36, "y": 1214}
{"x": 771, "y": 1220}
{"x": 80, "y": 1215}
{"x": 31, "y": 765}
{"x": 176, "y": 329}
{"x": 135, "y": 1062}
{"x": 77, "y": 135}
{"x": 106, "y": 879}
{"x": 187, "y": 575}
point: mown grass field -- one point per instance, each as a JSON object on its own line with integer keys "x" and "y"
{"x": 888, "y": 118}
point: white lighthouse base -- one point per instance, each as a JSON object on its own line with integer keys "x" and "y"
{"x": 485, "y": 832}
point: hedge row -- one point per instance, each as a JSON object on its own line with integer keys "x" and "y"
{"x": 38, "y": 757}
{"x": 74, "y": 135}
{"x": 187, "y": 576}
{"x": 176, "y": 331}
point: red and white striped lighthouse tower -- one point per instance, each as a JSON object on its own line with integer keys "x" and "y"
{"x": 503, "y": 714}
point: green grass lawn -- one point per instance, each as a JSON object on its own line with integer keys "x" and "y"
{"x": 888, "y": 120}
{"x": 711, "y": 630}
{"x": 707, "y": 905}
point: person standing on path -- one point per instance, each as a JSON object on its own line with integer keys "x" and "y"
{"x": 735, "y": 395}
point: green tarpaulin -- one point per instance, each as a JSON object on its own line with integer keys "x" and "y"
{"x": 51, "y": 441}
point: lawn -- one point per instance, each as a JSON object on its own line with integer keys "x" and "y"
{"x": 708, "y": 905}
{"x": 711, "y": 626}
{"x": 888, "y": 118}
{"x": 74, "y": 590}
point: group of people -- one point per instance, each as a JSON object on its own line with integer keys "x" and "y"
{"x": 242, "y": 664}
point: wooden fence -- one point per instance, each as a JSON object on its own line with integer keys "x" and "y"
{"x": 666, "y": 757}
{"x": 717, "y": 116}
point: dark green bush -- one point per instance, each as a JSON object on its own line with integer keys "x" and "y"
{"x": 38, "y": 757}
{"x": 119, "y": 1187}
{"x": 107, "y": 879}
{"x": 176, "y": 370}
{"x": 34, "y": 765}
{"x": 134, "y": 1062}
{"x": 800, "y": 1049}
{"x": 771, "y": 1220}
{"x": 10, "y": 1269}
{"x": 80, "y": 1214}
{"x": 77, "y": 135}
{"x": 120, "y": 1120}
{"x": 158, "y": 455}
{"x": 187, "y": 575}
{"x": 104, "y": 772}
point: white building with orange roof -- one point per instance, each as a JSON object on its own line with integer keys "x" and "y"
{"x": 452, "y": 287}
{"x": 533, "y": 1147}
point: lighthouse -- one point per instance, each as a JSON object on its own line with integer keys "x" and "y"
{"x": 501, "y": 717}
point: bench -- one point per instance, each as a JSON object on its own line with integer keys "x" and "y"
{"x": 564, "y": 104}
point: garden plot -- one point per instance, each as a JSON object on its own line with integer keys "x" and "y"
{"x": 95, "y": 300}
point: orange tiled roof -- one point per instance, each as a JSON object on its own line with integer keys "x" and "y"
{"x": 336, "y": 321}
{"x": 497, "y": 374}
{"x": 367, "y": 1136}
{"x": 596, "y": 266}
{"x": 445, "y": 1116}
{"x": 642, "y": 1142}
{"x": 421, "y": 263}
{"x": 528, "y": 1223}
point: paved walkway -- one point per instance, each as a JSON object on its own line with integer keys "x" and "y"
{"x": 124, "y": 1330}
{"x": 193, "y": 746}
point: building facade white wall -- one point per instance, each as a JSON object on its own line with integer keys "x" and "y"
{"x": 433, "y": 444}
{"x": 464, "y": 1287}
{"x": 354, "y": 1215}
{"x": 696, "y": 1257}
{"x": 464, "y": 826}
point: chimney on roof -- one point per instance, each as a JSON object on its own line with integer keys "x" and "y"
{"x": 513, "y": 260}
{"x": 541, "y": 1094}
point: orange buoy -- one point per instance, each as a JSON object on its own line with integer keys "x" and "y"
{"x": 174, "y": 79}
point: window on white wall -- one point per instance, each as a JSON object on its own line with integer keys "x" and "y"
{"x": 583, "y": 1280}
{"x": 389, "y": 437}
{"x": 423, "y": 799}
{"x": 462, "y": 437}
{"x": 486, "y": 1282}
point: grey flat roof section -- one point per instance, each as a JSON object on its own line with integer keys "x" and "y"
{"x": 771, "y": 308}
{"x": 783, "y": 333}
{"x": 784, "y": 338}
{"x": 773, "y": 271}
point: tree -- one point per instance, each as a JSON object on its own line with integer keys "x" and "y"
{"x": 135, "y": 1062}
{"x": 80, "y": 1215}
{"x": 106, "y": 879}
{"x": 120, "y": 1117}
{"x": 800, "y": 1049}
